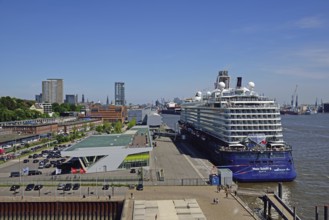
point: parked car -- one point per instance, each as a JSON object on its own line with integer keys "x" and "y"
{"x": 105, "y": 187}
{"x": 133, "y": 170}
{"x": 76, "y": 186}
{"x": 34, "y": 172}
{"x": 140, "y": 187}
{"x": 26, "y": 160}
{"x": 14, "y": 174}
{"x": 60, "y": 186}
{"x": 38, "y": 187}
{"x": 67, "y": 187}
{"x": 14, "y": 187}
{"x": 29, "y": 187}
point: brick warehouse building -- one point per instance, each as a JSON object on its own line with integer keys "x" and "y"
{"x": 110, "y": 113}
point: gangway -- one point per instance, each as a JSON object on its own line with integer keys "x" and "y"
{"x": 272, "y": 200}
{"x": 166, "y": 134}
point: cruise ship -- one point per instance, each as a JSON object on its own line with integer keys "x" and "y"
{"x": 240, "y": 130}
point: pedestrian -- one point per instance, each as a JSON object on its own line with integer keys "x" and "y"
{"x": 109, "y": 197}
{"x": 226, "y": 192}
{"x": 214, "y": 201}
{"x": 218, "y": 188}
{"x": 131, "y": 195}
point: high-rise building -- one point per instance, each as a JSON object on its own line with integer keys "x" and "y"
{"x": 119, "y": 93}
{"x": 70, "y": 99}
{"x": 38, "y": 98}
{"x": 52, "y": 91}
{"x": 83, "y": 98}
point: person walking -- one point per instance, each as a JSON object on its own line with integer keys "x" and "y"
{"x": 218, "y": 188}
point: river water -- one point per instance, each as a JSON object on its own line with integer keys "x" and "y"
{"x": 309, "y": 137}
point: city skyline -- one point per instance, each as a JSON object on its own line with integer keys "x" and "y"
{"x": 164, "y": 49}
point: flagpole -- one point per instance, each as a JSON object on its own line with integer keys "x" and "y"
{"x": 20, "y": 172}
{"x": 23, "y": 187}
{"x": 80, "y": 185}
{"x": 96, "y": 186}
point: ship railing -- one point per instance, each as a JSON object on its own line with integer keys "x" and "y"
{"x": 233, "y": 98}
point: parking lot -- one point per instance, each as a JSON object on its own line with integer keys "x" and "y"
{"x": 44, "y": 161}
{"x": 63, "y": 190}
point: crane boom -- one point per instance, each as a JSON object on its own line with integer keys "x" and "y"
{"x": 293, "y": 97}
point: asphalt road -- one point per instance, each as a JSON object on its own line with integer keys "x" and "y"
{"x": 179, "y": 161}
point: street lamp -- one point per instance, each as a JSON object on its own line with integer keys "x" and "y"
{"x": 19, "y": 159}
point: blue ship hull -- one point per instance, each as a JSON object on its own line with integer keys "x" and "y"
{"x": 268, "y": 169}
{"x": 249, "y": 166}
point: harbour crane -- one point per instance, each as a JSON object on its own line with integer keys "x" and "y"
{"x": 293, "y": 97}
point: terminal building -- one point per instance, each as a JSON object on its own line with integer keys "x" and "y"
{"x": 102, "y": 153}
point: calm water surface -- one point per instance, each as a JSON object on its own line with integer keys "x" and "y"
{"x": 309, "y": 137}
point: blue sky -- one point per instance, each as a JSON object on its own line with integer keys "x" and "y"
{"x": 164, "y": 49}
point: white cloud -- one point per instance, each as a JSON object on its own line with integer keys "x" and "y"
{"x": 310, "y": 22}
{"x": 318, "y": 56}
{"x": 301, "y": 72}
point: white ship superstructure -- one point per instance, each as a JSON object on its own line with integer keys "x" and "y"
{"x": 241, "y": 130}
{"x": 231, "y": 114}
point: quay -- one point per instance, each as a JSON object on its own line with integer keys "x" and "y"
{"x": 182, "y": 192}
{"x": 185, "y": 177}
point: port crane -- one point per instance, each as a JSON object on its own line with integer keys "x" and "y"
{"x": 293, "y": 97}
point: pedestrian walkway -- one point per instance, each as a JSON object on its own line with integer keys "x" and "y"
{"x": 203, "y": 196}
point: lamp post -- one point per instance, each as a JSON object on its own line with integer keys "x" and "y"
{"x": 19, "y": 160}
{"x": 155, "y": 167}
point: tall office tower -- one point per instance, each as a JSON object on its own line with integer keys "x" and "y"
{"x": 119, "y": 93}
{"x": 38, "y": 98}
{"x": 70, "y": 99}
{"x": 83, "y": 98}
{"x": 52, "y": 91}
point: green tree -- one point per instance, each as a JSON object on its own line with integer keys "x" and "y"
{"x": 99, "y": 128}
{"x": 118, "y": 127}
{"x": 91, "y": 126}
{"x": 9, "y": 103}
{"x": 107, "y": 127}
{"x": 132, "y": 123}
{"x": 20, "y": 114}
{"x": 6, "y": 114}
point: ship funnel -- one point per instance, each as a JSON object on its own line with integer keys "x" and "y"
{"x": 239, "y": 83}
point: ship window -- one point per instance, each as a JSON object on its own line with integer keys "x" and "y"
{"x": 264, "y": 162}
{"x": 251, "y": 162}
{"x": 270, "y": 162}
{"x": 257, "y": 162}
